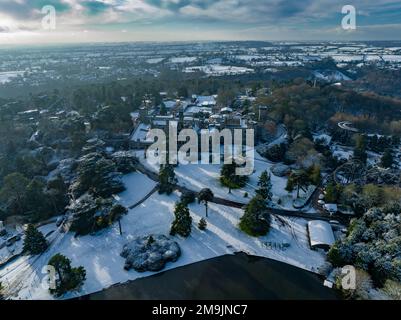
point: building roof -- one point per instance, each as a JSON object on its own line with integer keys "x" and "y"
{"x": 141, "y": 134}
{"x": 332, "y": 207}
{"x": 320, "y": 233}
{"x": 205, "y": 100}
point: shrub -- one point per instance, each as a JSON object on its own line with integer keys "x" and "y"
{"x": 202, "y": 224}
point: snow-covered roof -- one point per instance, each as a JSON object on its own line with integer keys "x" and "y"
{"x": 226, "y": 109}
{"x": 141, "y": 133}
{"x": 320, "y": 234}
{"x": 170, "y": 104}
{"x": 205, "y": 100}
{"x": 332, "y": 207}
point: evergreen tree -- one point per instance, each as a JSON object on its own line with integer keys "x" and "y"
{"x": 67, "y": 278}
{"x": 167, "y": 179}
{"x": 256, "y": 220}
{"x": 387, "y": 159}
{"x": 163, "y": 110}
{"x": 265, "y": 186}
{"x": 204, "y": 196}
{"x": 97, "y": 175}
{"x": 202, "y": 224}
{"x": 360, "y": 149}
{"x": 182, "y": 222}
{"x": 230, "y": 179}
{"x": 34, "y": 242}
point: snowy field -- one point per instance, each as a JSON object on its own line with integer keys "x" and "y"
{"x": 100, "y": 253}
{"x": 219, "y": 70}
{"x": 198, "y": 176}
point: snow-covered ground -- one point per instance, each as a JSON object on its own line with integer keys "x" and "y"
{"x": 219, "y": 70}
{"x": 138, "y": 186}
{"x": 100, "y": 254}
{"x": 198, "y": 176}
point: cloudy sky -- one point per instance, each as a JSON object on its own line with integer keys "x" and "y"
{"x": 181, "y": 20}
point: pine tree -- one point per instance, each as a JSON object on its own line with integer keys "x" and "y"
{"x": 34, "y": 242}
{"x": 67, "y": 278}
{"x": 387, "y": 159}
{"x": 167, "y": 179}
{"x": 256, "y": 220}
{"x": 265, "y": 186}
{"x": 230, "y": 179}
{"x": 183, "y": 221}
{"x": 202, "y": 224}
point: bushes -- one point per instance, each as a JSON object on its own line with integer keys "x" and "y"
{"x": 67, "y": 278}
{"x": 256, "y": 220}
{"x": 202, "y": 224}
{"x": 373, "y": 243}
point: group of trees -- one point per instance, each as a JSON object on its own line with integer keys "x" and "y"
{"x": 361, "y": 197}
{"x": 303, "y": 178}
{"x": 68, "y": 278}
{"x": 35, "y": 199}
{"x": 372, "y": 244}
{"x": 183, "y": 221}
{"x": 91, "y": 214}
{"x": 98, "y": 176}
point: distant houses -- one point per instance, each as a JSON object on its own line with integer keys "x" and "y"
{"x": 198, "y": 113}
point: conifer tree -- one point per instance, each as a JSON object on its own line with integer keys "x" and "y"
{"x": 34, "y": 242}
{"x": 265, "y": 186}
{"x": 182, "y": 222}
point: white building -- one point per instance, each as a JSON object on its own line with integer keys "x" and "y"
{"x": 320, "y": 234}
